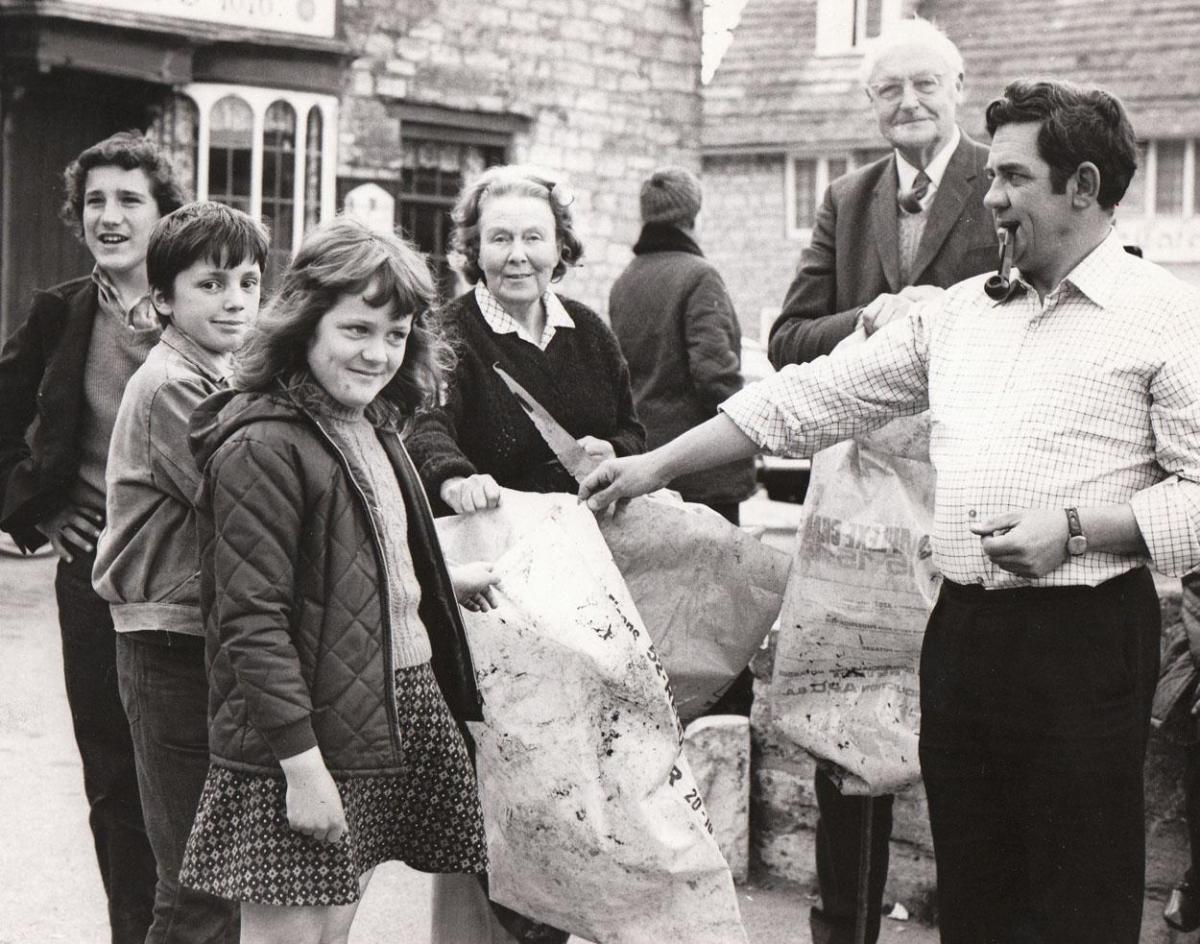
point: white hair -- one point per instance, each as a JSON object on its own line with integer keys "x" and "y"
{"x": 910, "y": 32}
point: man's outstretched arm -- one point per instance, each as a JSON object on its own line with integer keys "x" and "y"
{"x": 710, "y": 444}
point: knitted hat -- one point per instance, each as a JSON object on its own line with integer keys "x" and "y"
{"x": 671, "y": 195}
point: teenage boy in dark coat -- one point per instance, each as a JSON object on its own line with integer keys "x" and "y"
{"x": 61, "y": 378}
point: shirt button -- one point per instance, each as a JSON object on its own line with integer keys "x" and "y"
{"x": 979, "y": 580}
{"x": 971, "y": 513}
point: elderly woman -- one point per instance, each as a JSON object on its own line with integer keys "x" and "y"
{"x": 515, "y": 232}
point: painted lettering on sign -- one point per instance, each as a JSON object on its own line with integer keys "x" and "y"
{"x": 306, "y": 17}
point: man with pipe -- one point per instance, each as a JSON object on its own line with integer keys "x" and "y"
{"x": 897, "y": 231}
{"x": 1066, "y": 439}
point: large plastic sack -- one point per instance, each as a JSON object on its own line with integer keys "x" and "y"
{"x": 708, "y": 592}
{"x": 862, "y": 584}
{"x": 594, "y": 821}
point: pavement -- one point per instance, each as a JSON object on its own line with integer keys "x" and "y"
{"x": 51, "y": 887}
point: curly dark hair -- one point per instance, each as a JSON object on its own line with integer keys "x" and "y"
{"x": 508, "y": 180}
{"x": 343, "y": 257}
{"x": 1077, "y": 125}
{"x": 128, "y": 150}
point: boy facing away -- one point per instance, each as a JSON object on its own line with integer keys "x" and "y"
{"x": 204, "y": 264}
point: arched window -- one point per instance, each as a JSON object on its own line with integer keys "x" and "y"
{"x": 279, "y": 173}
{"x": 230, "y": 146}
{"x": 312, "y": 169}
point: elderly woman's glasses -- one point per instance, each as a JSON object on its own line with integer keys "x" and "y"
{"x": 892, "y": 90}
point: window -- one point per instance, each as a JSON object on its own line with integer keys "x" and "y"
{"x": 230, "y": 146}
{"x": 1168, "y": 178}
{"x": 1166, "y": 182}
{"x": 279, "y": 178}
{"x": 434, "y": 165}
{"x": 432, "y": 173}
{"x": 250, "y": 155}
{"x": 844, "y": 25}
{"x": 1134, "y": 201}
{"x": 312, "y": 165}
{"x": 806, "y": 180}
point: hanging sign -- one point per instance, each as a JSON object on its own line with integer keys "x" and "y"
{"x": 306, "y": 17}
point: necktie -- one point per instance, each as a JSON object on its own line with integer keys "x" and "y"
{"x": 910, "y": 200}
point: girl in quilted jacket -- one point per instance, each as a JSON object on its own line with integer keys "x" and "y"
{"x": 340, "y": 682}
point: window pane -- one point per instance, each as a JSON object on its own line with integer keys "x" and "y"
{"x": 279, "y": 172}
{"x": 805, "y": 176}
{"x": 312, "y": 169}
{"x": 872, "y": 18}
{"x": 1133, "y": 204}
{"x": 232, "y": 123}
{"x": 837, "y": 167}
{"x": 1196, "y": 178}
{"x": 1168, "y": 182}
{"x": 231, "y": 140}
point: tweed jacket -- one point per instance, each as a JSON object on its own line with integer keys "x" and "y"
{"x": 41, "y": 393}
{"x": 854, "y": 255}
{"x": 292, "y": 588}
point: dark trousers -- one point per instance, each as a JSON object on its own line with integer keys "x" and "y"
{"x": 1191, "y": 795}
{"x": 165, "y": 691}
{"x": 1035, "y": 712}
{"x": 106, "y": 750}
{"x": 839, "y": 831}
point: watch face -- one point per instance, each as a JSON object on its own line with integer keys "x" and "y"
{"x": 1076, "y": 544}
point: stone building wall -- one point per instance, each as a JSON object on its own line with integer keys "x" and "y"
{"x": 744, "y": 233}
{"x": 604, "y": 91}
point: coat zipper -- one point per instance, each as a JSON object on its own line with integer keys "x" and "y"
{"x": 385, "y": 601}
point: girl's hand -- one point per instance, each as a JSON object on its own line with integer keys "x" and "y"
{"x": 598, "y": 449}
{"x": 314, "y": 806}
{"x": 474, "y": 585}
{"x": 473, "y": 493}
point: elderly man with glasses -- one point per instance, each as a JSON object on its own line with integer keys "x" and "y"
{"x": 896, "y": 231}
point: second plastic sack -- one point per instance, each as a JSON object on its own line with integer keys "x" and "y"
{"x": 845, "y": 686}
{"x": 594, "y": 821}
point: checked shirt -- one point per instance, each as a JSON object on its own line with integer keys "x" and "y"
{"x": 1089, "y": 398}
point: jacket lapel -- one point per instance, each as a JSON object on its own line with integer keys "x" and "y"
{"x": 884, "y": 225}
{"x": 948, "y": 202}
{"x": 63, "y": 382}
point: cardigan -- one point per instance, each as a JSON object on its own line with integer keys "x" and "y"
{"x": 480, "y": 427}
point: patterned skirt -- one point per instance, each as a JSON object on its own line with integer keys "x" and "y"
{"x": 428, "y": 816}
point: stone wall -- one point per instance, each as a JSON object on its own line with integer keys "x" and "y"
{"x": 783, "y": 809}
{"x": 607, "y": 90}
{"x": 744, "y": 233}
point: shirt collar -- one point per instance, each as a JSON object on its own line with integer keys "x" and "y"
{"x": 139, "y": 316}
{"x": 936, "y": 169}
{"x": 216, "y": 367}
{"x": 502, "y": 322}
{"x": 1102, "y": 272}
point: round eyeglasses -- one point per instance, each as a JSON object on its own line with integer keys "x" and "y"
{"x": 892, "y": 90}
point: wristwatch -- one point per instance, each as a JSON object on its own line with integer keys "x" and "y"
{"x": 1076, "y": 539}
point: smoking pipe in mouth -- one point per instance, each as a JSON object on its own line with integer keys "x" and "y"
{"x": 998, "y": 287}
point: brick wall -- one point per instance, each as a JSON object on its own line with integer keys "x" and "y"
{"x": 744, "y": 232}
{"x": 609, "y": 89}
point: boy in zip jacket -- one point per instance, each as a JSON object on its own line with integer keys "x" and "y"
{"x": 204, "y": 264}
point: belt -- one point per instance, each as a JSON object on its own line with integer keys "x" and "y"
{"x": 975, "y": 595}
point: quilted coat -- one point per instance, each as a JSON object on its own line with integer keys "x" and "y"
{"x": 292, "y": 587}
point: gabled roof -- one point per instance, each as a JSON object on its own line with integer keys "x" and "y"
{"x": 772, "y": 91}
